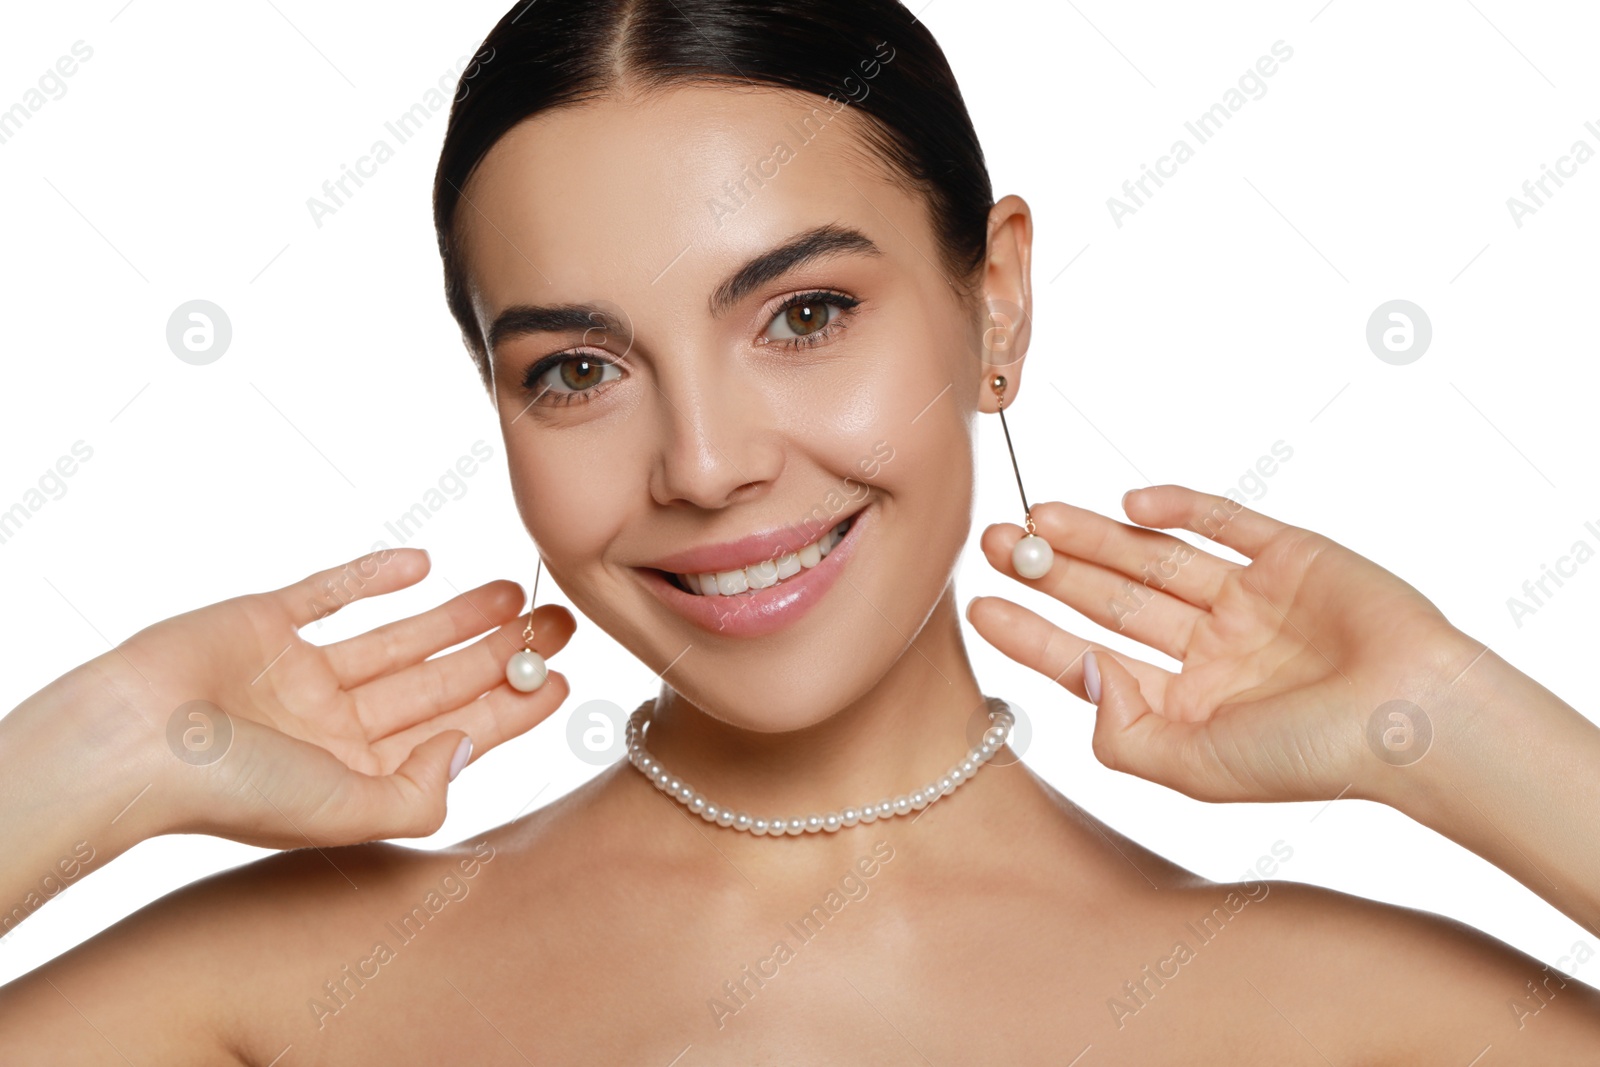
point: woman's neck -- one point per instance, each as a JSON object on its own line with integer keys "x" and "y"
{"x": 920, "y": 717}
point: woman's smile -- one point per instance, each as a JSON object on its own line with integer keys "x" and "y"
{"x": 759, "y": 598}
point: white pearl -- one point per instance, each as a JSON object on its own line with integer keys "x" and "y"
{"x": 1032, "y": 556}
{"x": 796, "y": 826}
{"x": 902, "y": 805}
{"x": 777, "y": 826}
{"x": 813, "y": 823}
{"x": 742, "y": 820}
{"x": 758, "y": 826}
{"x": 849, "y": 817}
{"x": 832, "y": 821}
{"x": 724, "y": 817}
{"x": 525, "y": 671}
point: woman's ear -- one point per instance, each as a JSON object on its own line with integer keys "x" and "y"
{"x": 1005, "y": 300}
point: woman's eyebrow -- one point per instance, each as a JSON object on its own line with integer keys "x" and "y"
{"x": 813, "y": 244}
{"x": 519, "y": 320}
{"x": 522, "y": 319}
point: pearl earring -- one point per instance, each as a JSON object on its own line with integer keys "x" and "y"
{"x": 1032, "y": 555}
{"x": 526, "y": 671}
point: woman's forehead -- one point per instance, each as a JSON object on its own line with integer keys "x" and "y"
{"x": 657, "y": 196}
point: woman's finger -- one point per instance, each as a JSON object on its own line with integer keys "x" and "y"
{"x": 1037, "y": 643}
{"x": 1158, "y": 560}
{"x": 1107, "y": 597}
{"x": 281, "y": 792}
{"x": 422, "y": 692}
{"x": 410, "y": 802}
{"x": 1129, "y": 736}
{"x": 1217, "y": 518}
{"x": 325, "y": 592}
{"x": 491, "y": 720}
{"x": 396, "y": 645}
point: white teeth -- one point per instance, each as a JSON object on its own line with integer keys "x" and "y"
{"x": 762, "y": 575}
{"x": 766, "y": 574}
{"x": 829, "y": 539}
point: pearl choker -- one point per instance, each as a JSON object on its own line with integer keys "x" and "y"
{"x": 994, "y": 738}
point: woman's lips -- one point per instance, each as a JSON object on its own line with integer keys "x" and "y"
{"x": 761, "y": 611}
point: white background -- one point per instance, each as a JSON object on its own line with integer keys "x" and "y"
{"x": 1227, "y": 314}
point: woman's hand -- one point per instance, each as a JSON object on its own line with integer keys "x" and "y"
{"x": 1286, "y": 661}
{"x": 254, "y": 733}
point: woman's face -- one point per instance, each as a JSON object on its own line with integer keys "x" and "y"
{"x": 708, "y": 391}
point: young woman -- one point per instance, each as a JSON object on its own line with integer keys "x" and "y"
{"x": 735, "y": 279}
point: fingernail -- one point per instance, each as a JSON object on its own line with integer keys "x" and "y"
{"x": 459, "y": 760}
{"x": 1091, "y": 677}
{"x": 968, "y": 612}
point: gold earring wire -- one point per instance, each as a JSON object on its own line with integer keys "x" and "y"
{"x": 1032, "y": 555}
{"x": 998, "y": 384}
{"x": 527, "y": 631}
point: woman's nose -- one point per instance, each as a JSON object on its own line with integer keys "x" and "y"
{"x": 718, "y": 443}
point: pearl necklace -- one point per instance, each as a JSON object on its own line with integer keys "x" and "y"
{"x": 994, "y": 738}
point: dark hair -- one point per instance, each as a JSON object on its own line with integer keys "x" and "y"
{"x": 548, "y": 54}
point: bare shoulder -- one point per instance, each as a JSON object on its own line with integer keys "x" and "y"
{"x": 225, "y": 967}
{"x": 1382, "y": 983}
{"x": 1306, "y": 972}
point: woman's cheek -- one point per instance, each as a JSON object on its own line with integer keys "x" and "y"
{"x": 565, "y": 505}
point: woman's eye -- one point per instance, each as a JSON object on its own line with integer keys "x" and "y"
{"x": 805, "y": 318}
{"x": 566, "y": 378}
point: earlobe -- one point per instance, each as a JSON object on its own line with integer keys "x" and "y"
{"x": 1003, "y": 345}
{"x": 1006, "y": 312}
